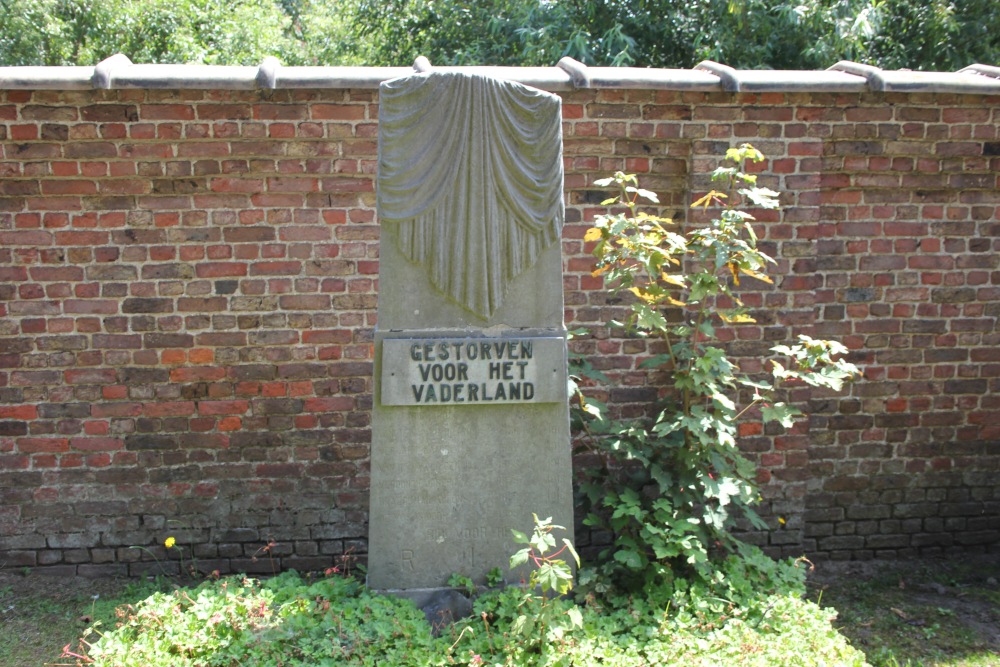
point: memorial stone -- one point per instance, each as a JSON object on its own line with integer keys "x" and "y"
{"x": 470, "y": 422}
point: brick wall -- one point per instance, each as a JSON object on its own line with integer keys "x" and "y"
{"x": 188, "y": 294}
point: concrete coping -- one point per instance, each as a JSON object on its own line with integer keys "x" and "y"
{"x": 973, "y": 79}
{"x": 708, "y": 76}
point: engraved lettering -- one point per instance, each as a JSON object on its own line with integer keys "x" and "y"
{"x": 448, "y": 370}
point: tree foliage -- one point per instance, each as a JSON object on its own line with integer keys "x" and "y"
{"x": 84, "y": 32}
{"x": 782, "y": 34}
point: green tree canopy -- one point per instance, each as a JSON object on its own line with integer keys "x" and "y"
{"x": 778, "y": 34}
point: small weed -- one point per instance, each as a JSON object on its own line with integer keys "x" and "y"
{"x": 464, "y": 583}
{"x": 494, "y": 578}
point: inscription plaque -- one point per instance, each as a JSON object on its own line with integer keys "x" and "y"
{"x": 473, "y": 371}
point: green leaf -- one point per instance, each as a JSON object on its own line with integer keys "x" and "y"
{"x": 519, "y": 558}
{"x": 628, "y": 558}
{"x": 655, "y": 361}
{"x": 761, "y": 197}
{"x": 645, "y": 194}
{"x": 781, "y": 413}
{"x": 569, "y": 547}
{"x": 649, "y": 319}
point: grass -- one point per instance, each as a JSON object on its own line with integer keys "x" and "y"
{"x": 40, "y": 614}
{"x": 921, "y": 614}
{"x": 942, "y": 614}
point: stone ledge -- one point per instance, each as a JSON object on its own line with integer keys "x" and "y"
{"x": 118, "y": 72}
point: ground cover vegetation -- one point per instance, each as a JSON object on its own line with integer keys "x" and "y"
{"x": 778, "y": 34}
{"x": 917, "y": 613}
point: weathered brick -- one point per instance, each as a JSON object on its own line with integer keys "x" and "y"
{"x": 265, "y": 240}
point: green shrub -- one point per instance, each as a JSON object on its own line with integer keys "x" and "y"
{"x": 668, "y": 489}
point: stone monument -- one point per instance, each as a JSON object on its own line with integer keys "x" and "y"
{"x": 470, "y": 422}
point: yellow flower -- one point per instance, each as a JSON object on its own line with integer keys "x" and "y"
{"x": 169, "y": 542}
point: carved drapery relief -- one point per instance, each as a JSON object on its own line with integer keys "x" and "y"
{"x": 470, "y": 179}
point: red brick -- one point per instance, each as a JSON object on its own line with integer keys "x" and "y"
{"x": 197, "y": 374}
{"x": 169, "y": 409}
{"x": 96, "y": 444}
{"x": 330, "y": 404}
{"x": 220, "y": 269}
{"x": 25, "y": 412}
{"x": 338, "y": 111}
{"x": 36, "y": 445}
{"x": 223, "y": 407}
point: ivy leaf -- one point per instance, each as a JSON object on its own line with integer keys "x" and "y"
{"x": 781, "y": 413}
{"x": 736, "y": 318}
{"x": 604, "y": 182}
{"x": 569, "y": 547}
{"x": 746, "y": 382}
{"x": 645, "y": 194}
{"x": 755, "y": 274}
{"x": 655, "y": 361}
{"x": 761, "y": 197}
{"x": 628, "y": 558}
{"x": 593, "y": 234}
{"x": 519, "y": 558}
{"x": 724, "y": 401}
{"x": 672, "y": 279}
{"x": 722, "y": 173}
{"x": 707, "y": 199}
{"x": 647, "y": 318}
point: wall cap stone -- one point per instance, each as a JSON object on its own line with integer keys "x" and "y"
{"x": 118, "y": 72}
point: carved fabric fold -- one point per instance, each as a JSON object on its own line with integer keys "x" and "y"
{"x": 470, "y": 179}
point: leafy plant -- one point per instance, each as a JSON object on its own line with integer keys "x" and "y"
{"x": 463, "y": 583}
{"x": 540, "y": 618}
{"x": 494, "y": 578}
{"x": 668, "y": 488}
